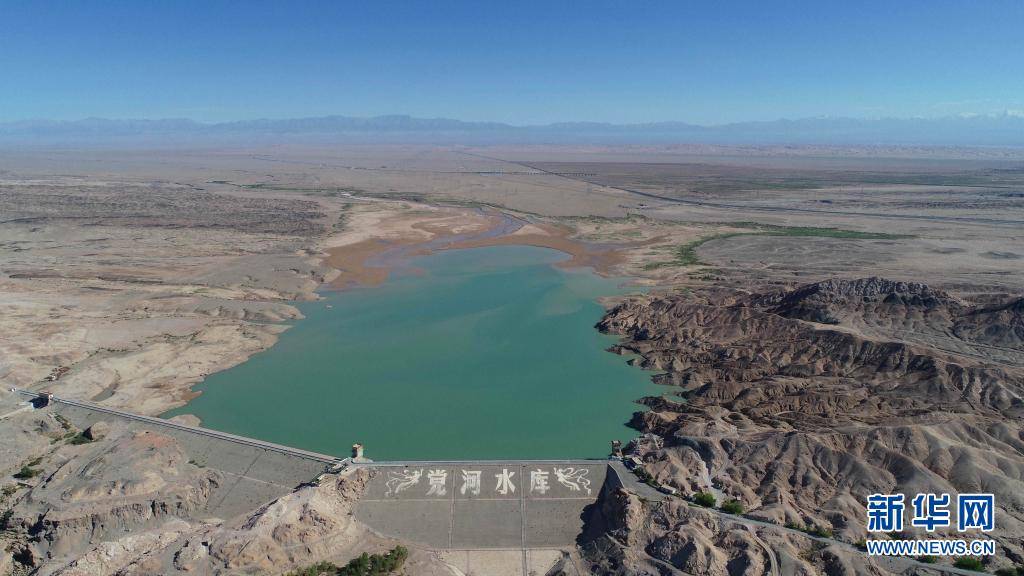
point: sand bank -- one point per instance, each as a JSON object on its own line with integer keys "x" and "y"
{"x": 367, "y": 259}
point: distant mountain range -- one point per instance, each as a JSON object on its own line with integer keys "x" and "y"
{"x": 982, "y": 130}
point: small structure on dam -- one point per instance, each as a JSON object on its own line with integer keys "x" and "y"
{"x": 357, "y": 453}
{"x": 500, "y": 518}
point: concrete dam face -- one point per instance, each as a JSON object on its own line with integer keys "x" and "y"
{"x": 499, "y": 518}
{"x": 488, "y": 505}
{"x": 494, "y": 518}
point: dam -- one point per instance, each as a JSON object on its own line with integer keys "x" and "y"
{"x": 499, "y": 517}
{"x": 494, "y": 517}
{"x": 469, "y": 505}
{"x": 476, "y": 379}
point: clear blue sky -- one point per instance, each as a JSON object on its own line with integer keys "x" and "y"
{"x": 517, "y": 62}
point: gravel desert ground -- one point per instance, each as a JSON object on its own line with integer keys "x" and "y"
{"x": 828, "y": 323}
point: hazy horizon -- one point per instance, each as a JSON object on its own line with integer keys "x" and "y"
{"x": 1005, "y": 130}
{"x": 522, "y": 64}
{"x": 995, "y": 115}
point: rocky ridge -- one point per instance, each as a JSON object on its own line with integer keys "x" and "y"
{"x": 800, "y": 403}
{"x": 134, "y": 503}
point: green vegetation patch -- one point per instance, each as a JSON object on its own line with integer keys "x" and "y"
{"x": 364, "y": 565}
{"x": 705, "y": 499}
{"x": 331, "y": 192}
{"x": 969, "y": 563}
{"x": 343, "y": 216}
{"x": 819, "y": 531}
{"x": 811, "y": 231}
{"x": 27, "y": 472}
{"x": 64, "y": 423}
{"x": 318, "y": 569}
{"x": 79, "y": 438}
{"x": 686, "y": 255}
{"x": 732, "y": 507}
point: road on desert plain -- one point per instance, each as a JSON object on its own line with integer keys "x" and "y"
{"x": 756, "y": 208}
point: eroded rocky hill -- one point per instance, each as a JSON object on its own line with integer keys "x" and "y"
{"x": 800, "y": 403}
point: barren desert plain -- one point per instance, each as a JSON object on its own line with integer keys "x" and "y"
{"x": 823, "y": 324}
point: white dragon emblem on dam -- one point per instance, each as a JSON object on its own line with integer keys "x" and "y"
{"x": 399, "y": 481}
{"x": 574, "y": 479}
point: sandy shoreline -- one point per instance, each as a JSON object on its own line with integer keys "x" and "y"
{"x": 133, "y": 281}
{"x": 383, "y": 235}
{"x": 367, "y": 261}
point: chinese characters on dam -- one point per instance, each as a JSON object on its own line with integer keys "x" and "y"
{"x": 507, "y": 481}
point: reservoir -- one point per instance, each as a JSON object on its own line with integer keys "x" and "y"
{"x": 486, "y": 353}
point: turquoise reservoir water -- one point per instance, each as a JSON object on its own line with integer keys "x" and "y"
{"x": 479, "y": 353}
